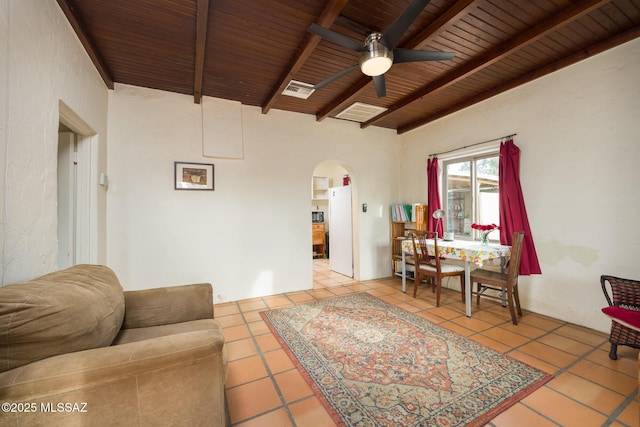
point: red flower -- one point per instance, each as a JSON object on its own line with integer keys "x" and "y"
{"x": 488, "y": 227}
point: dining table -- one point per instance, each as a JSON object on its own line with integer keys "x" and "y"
{"x": 469, "y": 251}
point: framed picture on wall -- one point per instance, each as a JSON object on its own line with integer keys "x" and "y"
{"x": 193, "y": 176}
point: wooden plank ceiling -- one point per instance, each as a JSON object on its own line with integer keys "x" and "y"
{"x": 249, "y": 50}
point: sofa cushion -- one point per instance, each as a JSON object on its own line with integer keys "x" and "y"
{"x": 75, "y": 309}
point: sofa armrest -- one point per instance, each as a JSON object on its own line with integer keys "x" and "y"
{"x": 164, "y": 306}
{"x": 151, "y": 382}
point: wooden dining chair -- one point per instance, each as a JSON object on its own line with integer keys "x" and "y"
{"x": 506, "y": 283}
{"x": 428, "y": 266}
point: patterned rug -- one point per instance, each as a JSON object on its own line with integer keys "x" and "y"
{"x": 374, "y": 364}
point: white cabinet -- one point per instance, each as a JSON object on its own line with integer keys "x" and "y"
{"x": 320, "y": 188}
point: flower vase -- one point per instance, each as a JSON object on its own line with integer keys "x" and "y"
{"x": 485, "y": 239}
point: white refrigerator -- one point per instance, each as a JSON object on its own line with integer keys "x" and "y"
{"x": 340, "y": 230}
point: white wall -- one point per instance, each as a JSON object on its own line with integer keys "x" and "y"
{"x": 578, "y": 132}
{"x": 251, "y": 236}
{"x": 42, "y": 62}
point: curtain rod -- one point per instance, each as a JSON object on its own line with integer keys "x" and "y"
{"x": 473, "y": 145}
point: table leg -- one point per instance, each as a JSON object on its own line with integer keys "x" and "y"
{"x": 467, "y": 287}
{"x": 404, "y": 273}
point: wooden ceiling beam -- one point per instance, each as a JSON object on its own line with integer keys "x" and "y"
{"x": 556, "y": 21}
{"x": 437, "y": 27}
{"x": 80, "y": 29}
{"x": 595, "y": 49}
{"x": 310, "y": 42}
{"x": 202, "y": 16}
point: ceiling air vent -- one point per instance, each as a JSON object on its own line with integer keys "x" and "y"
{"x": 359, "y": 112}
{"x": 298, "y": 89}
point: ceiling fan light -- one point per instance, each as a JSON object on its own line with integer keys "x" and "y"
{"x": 376, "y": 59}
{"x": 376, "y": 66}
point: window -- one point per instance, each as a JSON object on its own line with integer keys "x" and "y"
{"x": 472, "y": 190}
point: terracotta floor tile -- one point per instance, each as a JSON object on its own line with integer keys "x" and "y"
{"x": 225, "y": 309}
{"x": 277, "y": 301}
{"x": 243, "y": 402}
{"x": 278, "y": 418}
{"x": 458, "y": 329}
{"x": 310, "y": 413}
{"x": 409, "y": 307}
{"x": 258, "y": 328}
{"x": 321, "y": 294}
{"x": 267, "y": 342}
{"x": 420, "y": 303}
{"x": 233, "y": 333}
{"x": 488, "y": 342}
{"x": 583, "y": 335}
{"x": 606, "y": 377}
{"x": 524, "y": 330}
{"x": 520, "y": 415}
{"x": 565, "y": 344}
{"x": 541, "y": 322}
{"x": 252, "y": 304}
{"x": 245, "y": 370}
{"x": 624, "y": 365}
{"x": 563, "y": 410}
{"x": 342, "y": 290}
{"x": 590, "y": 394}
{"x": 532, "y": 361}
{"x": 240, "y": 349}
{"x": 487, "y": 316}
{"x": 278, "y": 361}
{"x": 505, "y": 337}
{"x": 445, "y": 313}
{"x": 631, "y": 415}
{"x": 231, "y": 320}
{"x": 292, "y": 385}
{"x": 472, "y": 323}
{"x": 548, "y": 354}
{"x": 431, "y": 317}
{"x": 253, "y": 316}
{"x": 301, "y": 298}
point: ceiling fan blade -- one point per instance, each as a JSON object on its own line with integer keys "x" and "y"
{"x": 393, "y": 35}
{"x": 336, "y": 38}
{"x": 408, "y": 55}
{"x": 336, "y": 77}
{"x": 381, "y": 85}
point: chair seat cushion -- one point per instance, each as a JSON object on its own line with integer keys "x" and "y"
{"x": 444, "y": 268}
{"x": 624, "y": 316}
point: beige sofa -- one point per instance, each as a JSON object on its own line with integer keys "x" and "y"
{"x": 77, "y": 350}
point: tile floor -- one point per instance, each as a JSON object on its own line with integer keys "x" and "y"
{"x": 265, "y": 389}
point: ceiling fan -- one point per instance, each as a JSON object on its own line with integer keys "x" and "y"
{"x": 379, "y": 51}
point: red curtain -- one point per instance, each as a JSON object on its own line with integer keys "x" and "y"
{"x": 513, "y": 214}
{"x": 433, "y": 195}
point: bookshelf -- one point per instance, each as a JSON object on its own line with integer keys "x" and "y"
{"x": 405, "y": 218}
{"x": 320, "y": 188}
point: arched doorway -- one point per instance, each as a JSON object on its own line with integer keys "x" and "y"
{"x": 326, "y": 176}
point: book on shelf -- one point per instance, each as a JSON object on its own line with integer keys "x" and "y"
{"x": 404, "y": 212}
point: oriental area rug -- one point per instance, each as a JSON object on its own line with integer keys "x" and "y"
{"x": 374, "y": 364}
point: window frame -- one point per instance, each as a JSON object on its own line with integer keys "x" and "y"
{"x": 472, "y": 158}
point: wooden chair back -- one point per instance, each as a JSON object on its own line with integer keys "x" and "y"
{"x": 421, "y": 251}
{"x": 516, "y": 253}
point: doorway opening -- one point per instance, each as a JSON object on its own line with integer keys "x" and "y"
{"x": 76, "y": 207}
{"x": 336, "y": 263}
